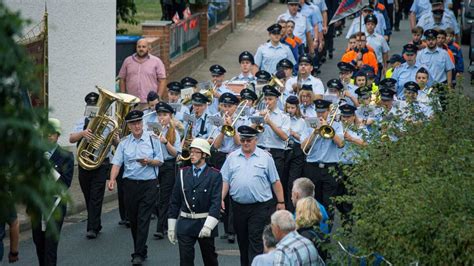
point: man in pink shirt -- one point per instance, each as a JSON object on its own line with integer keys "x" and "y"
{"x": 142, "y": 73}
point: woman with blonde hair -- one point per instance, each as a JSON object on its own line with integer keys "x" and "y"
{"x": 308, "y": 217}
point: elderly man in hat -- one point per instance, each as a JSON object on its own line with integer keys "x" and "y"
{"x": 270, "y": 53}
{"x": 249, "y": 176}
{"x": 436, "y": 59}
{"x": 92, "y": 181}
{"x": 141, "y": 156}
{"x": 62, "y": 161}
{"x": 195, "y": 206}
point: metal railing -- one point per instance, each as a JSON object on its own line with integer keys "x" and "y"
{"x": 218, "y": 11}
{"x": 184, "y": 35}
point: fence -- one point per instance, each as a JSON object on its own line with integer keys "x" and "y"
{"x": 184, "y": 35}
{"x": 218, "y": 12}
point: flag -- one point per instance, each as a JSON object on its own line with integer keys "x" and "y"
{"x": 347, "y": 8}
{"x": 187, "y": 13}
{"x": 175, "y": 18}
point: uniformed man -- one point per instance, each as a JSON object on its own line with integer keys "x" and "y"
{"x": 346, "y": 70}
{"x": 407, "y": 71}
{"x": 251, "y": 97}
{"x": 335, "y": 87}
{"x": 436, "y": 59}
{"x": 324, "y": 156}
{"x": 378, "y": 43}
{"x": 217, "y": 73}
{"x": 422, "y": 77}
{"x": 92, "y": 182}
{"x": 174, "y": 96}
{"x": 149, "y": 113}
{"x": 62, "y": 161}
{"x": 438, "y": 18}
{"x": 201, "y": 127}
{"x": 287, "y": 66}
{"x": 305, "y": 66}
{"x": 270, "y": 53}
{"x": 306, "y": 97}
{"x": 368, "y": 10}
{"x": 263, "y": 78}
{"x": 170, "y": 143}
{"x": 246, "y": 62}
{"x": 367, "y": 109}
{"x": 195, "y": 207}
{"x": 302, "y": 24}
{"x": 276, "y": 131}
{"x": 416, "y": 111}
{"x": 141, "y": 155}
{"x": 249, "y": 176}
{"x": 189, "y": 82}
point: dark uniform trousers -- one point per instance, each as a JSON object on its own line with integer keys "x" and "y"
{"x": 166, "y": 178}
{"x": 203, "y": 194}
{"x": 326, "y": 184}
{"x": 249, "y": 221}
{"x": 121, "y": 195}
{"x": 92, "y": 184}
{"x": 140, "y": 199}
{"x": 294, "y": 165}
{"x": 217, "y": 159}
{"x": 278, "y": 156}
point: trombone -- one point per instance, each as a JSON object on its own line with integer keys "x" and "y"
{"x": 260, "y": 127}
{"x": 324, "y": 131}
{"x": 229, "y": 130}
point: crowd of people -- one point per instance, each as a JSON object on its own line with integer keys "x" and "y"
{"x": 266, "y": 151}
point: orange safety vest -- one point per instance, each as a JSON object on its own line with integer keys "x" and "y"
{"x": 368, "y": 58}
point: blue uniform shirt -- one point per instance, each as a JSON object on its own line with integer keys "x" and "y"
{"x": 297, "y": 125}
{"x": 438, "y": 63}
{"x": 201, "y": 128}
{"x": 427, "y": 22}
{"x": 268, "y": 56}
{"x": 325, "y": 150}
{"x": 314, "y": 16}
{"x": 176, "y": 145}
{"x": 405, "y": 73}
{"x": 248, "y": 78}
{"x": 130, "y": 149}
{"x": 214, "y": 107}
{"x": 228, "y": 145}
{"x": 250, "y": 179}
{"x": 308, "y": 110}
{"x": 321, "y": 4}
{"x": 349, "y": 152}
{"x": 269, "y": 139}
{"x": 302, "y": 24}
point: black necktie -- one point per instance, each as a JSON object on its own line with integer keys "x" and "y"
{"x": 196, "y": 172}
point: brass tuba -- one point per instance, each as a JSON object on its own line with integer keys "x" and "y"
{"x": 123, "y": 106}
{"x": 91, "y": 153}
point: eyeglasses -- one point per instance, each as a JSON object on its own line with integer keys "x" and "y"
{"x": 195, "y": 152}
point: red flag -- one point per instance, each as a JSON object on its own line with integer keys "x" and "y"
{"x": 347, "y": 8}
{"x": 175, "y": 18}
{"x": 187, "y": 13}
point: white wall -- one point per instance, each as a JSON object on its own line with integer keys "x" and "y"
{"x": 81, "y": 52}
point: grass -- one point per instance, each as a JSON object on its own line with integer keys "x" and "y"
{"x": 146, "y": 10}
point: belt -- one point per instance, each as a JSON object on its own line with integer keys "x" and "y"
{"x": 194, "y": 215}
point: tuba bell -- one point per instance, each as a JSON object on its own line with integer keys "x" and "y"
{"x": 91, "y": 153}
{"x": 123, "y": 106}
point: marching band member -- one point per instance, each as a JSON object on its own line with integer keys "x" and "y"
{"x": 305, "y": 66}
{"x": 141, "y": 155}
{"x": 287, "y": 66}
{"x": 276, "y": 131}
{"x": 263, "y": 78}
{"x": 195, "y": 206}
{"x": 324, "y": 156}
{"x": 366, "y": 111}
{"x": 251, "y": 97}
{"x": 306, "y": 97}
{"x": 354, "y": 132}
{"x": 360, "y": 80}
{"x": 294, "y": 157}
{"x": 174, "y": 96}
{"x": 225, "y": 145}
{"x": 152, "y": 99}
{"x": 270, "y": 53}
{"x": 422, "y": 78}
{"x": 62, "y": 161}
{"x": 249, "y": 176}
{"x": 416, "y": 110}
{"x": 92, "y": 182}
{"x": 335, "y": 87}
{"x": 188, "y": 82}
{"x": 345, "y": 76}
{"x": 201, "y": 128}
{"x": 170, "y": 145}
{"x": 217, "y": 73}
{"x": 280, "y": 75}
{"x": 246, "y": 62}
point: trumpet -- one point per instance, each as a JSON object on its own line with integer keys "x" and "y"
{"x": 261, "y": 127}
{"x": 229, "y": 130}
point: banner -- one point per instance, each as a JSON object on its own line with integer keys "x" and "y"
{"x": 347, "y": 8}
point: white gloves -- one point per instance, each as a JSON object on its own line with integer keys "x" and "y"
{"x": 172, "y": 231}
{"x": 209, "y": 224}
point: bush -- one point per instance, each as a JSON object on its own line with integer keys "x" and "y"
{"x": 413, "y": 198}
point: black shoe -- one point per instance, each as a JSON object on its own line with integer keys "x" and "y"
{"x": 122, "y": 222}
{"x": 159, "y": 235}
{"x": 153, "y": 217}
{"x": 330, "y": 55}
{"x": 397, "y": 29}
{"x": 137, "y": 260}
{"x": 127, "y": 224}
{"x": 224, "y": 236}
{"x": 231, "y": 239}
{"x": 91, "y": 234}
{"x": 322, "y": 59}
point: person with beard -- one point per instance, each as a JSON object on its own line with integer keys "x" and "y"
{"x": 304, "y": 77}
{"x": 437, "y": 59}
{"x": 438, "y": 18}
{"x": 142, "y": 72}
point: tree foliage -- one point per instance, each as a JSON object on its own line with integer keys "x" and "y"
{"x": 126, "y": 10}
{"x": 413, "y": 198}
{"x": 24, "y": 170}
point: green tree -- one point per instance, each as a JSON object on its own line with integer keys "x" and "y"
{"x": 126, "y": 10}
{"x": 413, "y": 198}
{"x": 24, "y": 170}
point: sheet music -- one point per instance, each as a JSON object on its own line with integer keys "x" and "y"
{"x": 187, "y": 93}
{"x": 154, "y": 126}
{"x": 312, "y": 122}
{"x": 189, "y": 118}
{"x": 176, "y": 107}
{"x": 257, "y": 120}
{"x": 216, "y": 120}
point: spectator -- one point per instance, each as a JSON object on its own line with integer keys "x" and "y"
{"x": 269, "y": 245}
{"x": 292, "y": 248}
{"x": 142, "y": 73}
{"x": 308, "y": 217}
{"x": 12, "y": 221}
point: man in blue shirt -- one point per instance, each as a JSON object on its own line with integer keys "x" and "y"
{"x": 249, "y": 176}
{"x": 270, "y": 53}
{"x": 140, "y": 154}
